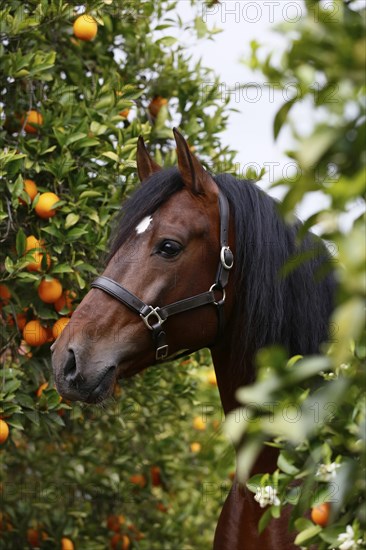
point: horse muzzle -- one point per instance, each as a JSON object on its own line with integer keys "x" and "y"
{"x": 75, "y": 383}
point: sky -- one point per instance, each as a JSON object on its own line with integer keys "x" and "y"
{"x": 250, "y": 131}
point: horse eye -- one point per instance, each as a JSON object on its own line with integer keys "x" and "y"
{"x": 169, "y": 249}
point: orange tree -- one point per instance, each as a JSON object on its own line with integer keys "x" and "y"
{"x": 77, "y": 93}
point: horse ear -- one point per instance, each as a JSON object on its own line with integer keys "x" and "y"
{"x": 146, "y": 166}
{"x": 195, "y": 177}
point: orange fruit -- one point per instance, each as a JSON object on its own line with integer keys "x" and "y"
{"x": 32, "y": 117}
{"x": 155, "y": 476}
{"x": 117, "y": 392}
{"x": 38, "y": 259}
{"x": 50, "y": 290}
{"x": 35, "y": 537}
{"x": 33, "y": 244}
{"x": 120, "y": 542}
{"x": 85, "y": 27}
{"x": 320, "y": 514}
{"x": 137, "y": 535}
{"x": 138, "y": 479}
{"x": 34, "y": 333}
{"x": 59, "y": 326}
{"x": 211, "y": 378}
{"x": 195, "y": 447}
{"x": 5, "y": 295}
{"x": 114, "y": 523}
{"x": 67, "y": 544}
{"x": 156, "y": 104}
{"x": 124, "y": 113}
{"x": 30, "y": 188}
{"x": 44, "y": 205}
{"x": 199, "y": 424}
{"x": 42, "y": 387}
{"x": 4, "y": 431}
{"x": 21, "y": 319}
{"x": 65, "y": 301}
{"x": 161, "y": 507}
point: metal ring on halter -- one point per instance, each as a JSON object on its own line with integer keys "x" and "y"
{"x": 154, "y": 313}
{"x": 223, "y": 259}
{"x": 215, "y": 286}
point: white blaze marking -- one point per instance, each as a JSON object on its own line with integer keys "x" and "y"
{"x": 143, "y": 225}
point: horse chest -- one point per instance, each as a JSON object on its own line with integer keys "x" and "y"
{"x": 237, "y": 528}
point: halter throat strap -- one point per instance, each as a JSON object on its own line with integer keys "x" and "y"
{"x": 155, "y": 317}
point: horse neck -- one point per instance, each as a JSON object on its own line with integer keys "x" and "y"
{"x": 237, "y": 526}
{"x": 226, "y": 379}
{"x": 231, "y": 376}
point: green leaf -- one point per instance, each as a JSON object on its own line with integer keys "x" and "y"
{"x": 71, "y": 219}
{"x": 81, "y": 282}
{"x": 62, "y": 268}
{"x": 285, "y": 465}
{"x": 281, "y": 116}
{"x": 87, "y": 194}
{"x": 316, "y": 146}
{"x": 9, "y": 264}
{"x": 303, "y": 523}
{"x": 307, "y": 534}
{"x": 167, "y": 41}
{"x": 25, "y": 400}
{"x": 75, "y": 137}
{"x": 21, "y": 240}
{"x": 276, "y": 511}
{"x": 87, "y": 142}
{"x": 349, "y": 319}
{"x": 51, "y": 230}
{"x": 200, "y": 26}
{"x": 15, "y": 423}
{"x": 111, "y": 155}
{"x": 10, "y": 386}
{"x": 52, "y": 398}
{"x": 76, "y": 233}
{"x": 53, "y": 418}
{"x": 98, "y": 129}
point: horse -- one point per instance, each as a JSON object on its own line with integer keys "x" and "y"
{"x": 195, "y": 263}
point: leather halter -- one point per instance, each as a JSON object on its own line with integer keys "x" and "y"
{"x": 155, "y": 317}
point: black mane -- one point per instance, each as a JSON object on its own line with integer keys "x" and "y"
{"x": 291, "y": 310}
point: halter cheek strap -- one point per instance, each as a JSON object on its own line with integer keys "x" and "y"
{"x": 155, "y": 317}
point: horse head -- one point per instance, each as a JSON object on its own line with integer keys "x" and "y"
{"x": 164, "y": 261}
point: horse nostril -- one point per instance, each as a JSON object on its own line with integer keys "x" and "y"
{"x": 70, "y": 368}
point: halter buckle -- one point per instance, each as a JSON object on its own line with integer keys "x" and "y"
{"x": 161, "y": 353}
{"x": 226, "y": 257}
{"x": 153, "y": 312}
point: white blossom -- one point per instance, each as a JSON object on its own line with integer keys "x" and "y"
{"x": 345, "y": 366}
{"x": 348, "y": 541}
{"x": 327, "y": 471}
{"x": 266, "y": 496}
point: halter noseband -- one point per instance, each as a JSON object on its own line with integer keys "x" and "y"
{"x": 155, "y": 317}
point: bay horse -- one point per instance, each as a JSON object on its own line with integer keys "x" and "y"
{"x": 196, "y": 262}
